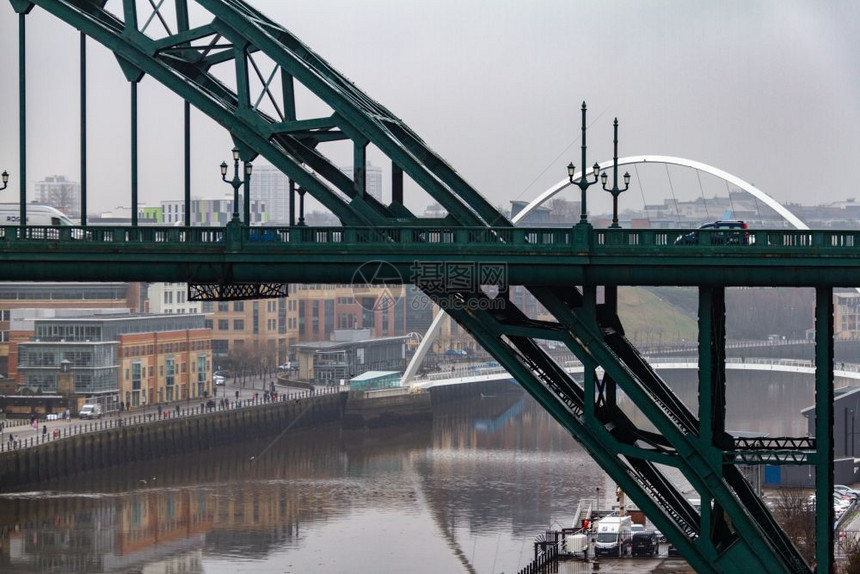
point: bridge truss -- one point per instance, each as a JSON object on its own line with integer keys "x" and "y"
{"x": 732, "y": 532}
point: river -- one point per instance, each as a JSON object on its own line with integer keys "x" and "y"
{"x": 468, "y": 493}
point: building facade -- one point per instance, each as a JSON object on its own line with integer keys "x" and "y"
{"x": 171, "y": 299}
{"x": 212, "y": 212}
{"x": 122, "y": 358}
{"x": 372, "y": 179}
{"x": 271, "y": 187}
{"x": 846, "y": 316}
{"x": 59, "y": 192}
{"x": 25, "y": 295}
{"x": 350, "y": 354}
{"x": 248, "y": 330}
{"x": 315, "y": 312}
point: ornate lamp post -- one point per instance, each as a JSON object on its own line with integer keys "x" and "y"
{"x": 5, "y": 177}
{"x": 236, "y": 182}
{"x": 615, "y": 191}
{"x": 301, "y": 221}
{"x": 583, "y": 182}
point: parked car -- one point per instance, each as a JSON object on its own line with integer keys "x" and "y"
{"x": 723, "y": 232}
{"x": 843, "y": 490}
{"x": 289, "y": 366}
{"x": 645, "y": 543}
{"x": 90, "y": 411}
{"x": 218, "y": 380}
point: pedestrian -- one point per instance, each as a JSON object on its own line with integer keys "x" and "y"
{"x": 237, "y": 395}
{"x": 177, "y": 410}
{"x": 35, "y": 424}
{"x": 44, "y": 432}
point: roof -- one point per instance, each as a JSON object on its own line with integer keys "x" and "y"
{"x": 838, "y": 394}
{"x": 373, "y": 375}
{"x": 324, "y": 345}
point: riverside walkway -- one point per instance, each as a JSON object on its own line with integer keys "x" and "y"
{"x": 19, "y": 434}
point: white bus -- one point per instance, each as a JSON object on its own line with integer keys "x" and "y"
{"x": 37, "y": 215}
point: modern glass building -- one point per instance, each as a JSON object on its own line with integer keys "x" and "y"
{"x": 121, "y": 358}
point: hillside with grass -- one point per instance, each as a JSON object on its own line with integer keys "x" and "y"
{"x": 649, "y": 319}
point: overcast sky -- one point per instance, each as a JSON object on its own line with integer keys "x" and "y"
{"x": 766, "y": 90}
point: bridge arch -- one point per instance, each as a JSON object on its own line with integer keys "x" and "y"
{"x": 433, "y": 331}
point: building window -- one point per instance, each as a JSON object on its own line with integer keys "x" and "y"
{"x": 170, "y": 378}
{"x": 238, "y": 306}
{"x": 223, "y": 325}
{"x": 238, "y": 325}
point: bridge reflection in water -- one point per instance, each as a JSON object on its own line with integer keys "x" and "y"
{"x": 468, "y": 494}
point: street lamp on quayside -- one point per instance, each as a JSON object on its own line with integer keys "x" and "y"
{"x": 236, "y": 182}
{"x": 583, "y": 182}
{"x": 615, "y": 191}
{"x": 5, "y": 177}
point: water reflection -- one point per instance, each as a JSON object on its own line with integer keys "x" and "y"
{"x": 467, "y": 494}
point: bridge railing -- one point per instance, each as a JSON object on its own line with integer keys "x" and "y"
{"x": 478, "y": 238}
{"x": 572, "y": 365}
{"x": 58, "y": 430}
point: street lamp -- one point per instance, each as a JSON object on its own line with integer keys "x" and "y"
{"x": 301, "y": 221}
{"x": 615, "y": 191}
{"x": 5, "y": 177}
{"x": 583, "y": 182}
{"x": 237, "y": 182}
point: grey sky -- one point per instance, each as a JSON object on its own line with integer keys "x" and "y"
{"x": 766, "y": 90}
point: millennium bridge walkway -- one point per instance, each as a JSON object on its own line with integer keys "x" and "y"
{"x": 262, "y": 84}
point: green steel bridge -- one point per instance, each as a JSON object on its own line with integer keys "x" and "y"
{"x": 242, "y": 69}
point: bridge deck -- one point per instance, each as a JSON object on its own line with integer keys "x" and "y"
{"x": 548, "y": 256}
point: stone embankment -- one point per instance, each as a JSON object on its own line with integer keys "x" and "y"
{"x": 112, "y": 442}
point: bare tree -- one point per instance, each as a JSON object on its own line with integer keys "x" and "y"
{"x": 850, "y": 550}
{"x": 796, "y": 516}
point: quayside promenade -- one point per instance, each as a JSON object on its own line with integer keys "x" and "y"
{"x": 62, "y": 448}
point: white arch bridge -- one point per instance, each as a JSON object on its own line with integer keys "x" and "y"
{"x": 793, "y": 220}
{"x": 474, "y": 374}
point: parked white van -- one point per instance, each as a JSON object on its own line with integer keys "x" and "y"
{"x": 37, "y": 215}
{"x": 614, "y": 536}
{"x": 90, "y": 411}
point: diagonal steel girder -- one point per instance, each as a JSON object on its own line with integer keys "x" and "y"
{"x": 174, "y": 63}
{"x": 522, "y": 358}
{"x": 501, "y": 333}
{"x": 705, "y": 472}
{"x": 360, "y": 112}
